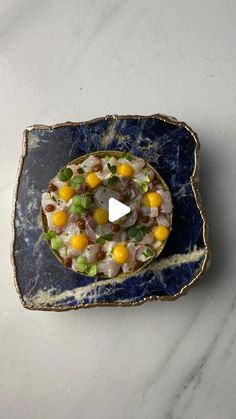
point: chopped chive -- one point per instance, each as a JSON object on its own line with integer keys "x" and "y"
{"x": 102, "y": 239}
{"x": 80, "y": 170}
{"x": 113, "y": 180}
{"x": 144, "y": 187}
{"x": 113, "y": 169}
{"x": 148, "y": 252}
{"x": 138, "y": 232}
{"x": 127, "y": 156}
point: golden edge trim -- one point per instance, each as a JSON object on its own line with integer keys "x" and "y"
{"x": 195, "y": 187}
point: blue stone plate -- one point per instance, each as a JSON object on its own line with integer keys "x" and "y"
{"x": 172, "y": 148}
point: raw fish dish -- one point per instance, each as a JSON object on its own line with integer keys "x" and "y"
{"x": 75, "y": 215}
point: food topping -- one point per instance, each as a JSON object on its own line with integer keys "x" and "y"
{"x": 93, "y": 180}
{"x": 76, "y": 219}
{"x": 100, "y": 216}
{"x": 66, "y": 193}
{"x": 59, "y": 218}
{"x": 161, "y": 232}
{"x": 79, "y": 241}
{"x": 120, "y": 253}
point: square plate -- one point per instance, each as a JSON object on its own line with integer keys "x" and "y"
{"x": 172, "y": 148}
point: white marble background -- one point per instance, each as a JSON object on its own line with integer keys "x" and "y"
{"x": 75, "y": 60}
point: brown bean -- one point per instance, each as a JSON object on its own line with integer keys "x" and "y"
{"x": 50, "y": 208}
{"x": 101, "y": 255}
{"x": 137, "y": 265}
{"x": 81, "y": 223}
{"x": 115, "y": 227}
{"x": 68, "y": 262}
{"x": 52, "y": 187}
{"x": 97, "y": 167}
{"x": 145, "y": 219}
{"x": 125, "y": 196}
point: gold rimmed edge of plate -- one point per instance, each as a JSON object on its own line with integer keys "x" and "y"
{"x": 194, "y": 180}
{"x": 117, "y": 154}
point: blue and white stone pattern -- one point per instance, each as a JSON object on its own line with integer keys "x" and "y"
{"x": 42, "y": 280}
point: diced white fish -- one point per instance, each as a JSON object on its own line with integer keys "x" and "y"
{"x": 129, "y": 265}
{"x": 140, "y": 253}
{"x": 148, "y": 239}
{"x": 74, "y": 168}
{"x": 105, "y": 173}
{"x": 91, "y": 252}
{"x": 63, "y": 252}
{"x": 103, "y": 194}
{"x": 90, "y": 233}
{"x": 166, "y": 207}
{"x": 137, "y": 163}
{"x": 108, "y": 267}
{"x": 57, "y": 182}
{"x": 157, "y": 244}
{"x": 145, "y": 175}
{"x": 47, "y": 200}
{"x": 162, "y": 220}
{"x": 129, "y": 219}
{"x": 150, "y": 211}
{"x": 73, "y": 252}
{"x": 88, "y": 164}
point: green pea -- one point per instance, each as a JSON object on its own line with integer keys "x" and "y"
{"x": 56, "y": 243}
{"x": 92, "y": 270}
{"x": 50, "y": 235}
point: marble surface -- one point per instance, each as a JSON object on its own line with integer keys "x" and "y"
{"x": 76, "y": 60}
{"x": 172, "y": 149}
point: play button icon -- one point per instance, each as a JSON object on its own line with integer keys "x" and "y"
{"x": 116, "y": 210}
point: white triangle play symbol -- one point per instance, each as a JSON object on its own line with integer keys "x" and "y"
{"x": 116, "y": 209}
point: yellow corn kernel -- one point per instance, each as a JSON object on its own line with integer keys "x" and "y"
{"x": 100, "y": 216}
{"x": 161, "y": 233}
{"x": 120, "y": 253}
{"x": 66, "y": 193}
{"x": 59, "y": 218}
{"x": 79, "y": 241}
{"x": 93, "y": 180}
{"x": 125, "y": 170}
{"x": 152, "y": 199}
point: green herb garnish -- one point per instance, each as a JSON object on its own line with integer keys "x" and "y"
{"x": 50, "y": 235}
{"x": 65, "y": 174}
{"x": 77, "y": 181}
{"x": 138, "y": 232}
{"x": 143, "y": 187}
{"x": 148, "y": 252}
{"x": 107, "y": 158}
{"x": 56, "y": 243}
{"x": 113, "y": 180}
{"x": 102, "y": 239}
{"x": 127, "y": 156}
{"x": 113, "y": 169}
{"x": 80, "y": 170}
